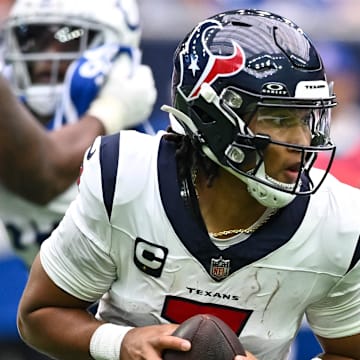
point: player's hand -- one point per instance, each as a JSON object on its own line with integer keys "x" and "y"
{"x": 249, "y": 356}
{"x": 127, "y": 97}
{"x": 85, "y": 77}
{"x": 149, "y": 342}
{"x": 110, "y": 79}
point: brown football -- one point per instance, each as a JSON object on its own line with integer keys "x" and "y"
{"x": 210, "y": 337}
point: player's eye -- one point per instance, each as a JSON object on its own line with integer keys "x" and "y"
{"x": 284, "y": 118}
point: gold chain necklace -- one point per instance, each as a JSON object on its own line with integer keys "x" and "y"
{"x": 248, "y": 230}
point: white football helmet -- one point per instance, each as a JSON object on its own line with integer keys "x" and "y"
{"x": 69, "y": 27}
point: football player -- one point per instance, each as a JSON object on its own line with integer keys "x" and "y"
{"x": 41, "y": 41}
{"x": 223, "y": 214}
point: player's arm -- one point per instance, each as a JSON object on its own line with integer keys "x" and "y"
{"x": 33, "y": 163}
{"x": 344, "y": 348}
{"x": 52, "y": 321}
{"x": 58, "y": 324}
{"x": 336, "y": 321}
{"x": 39, "y": 165}
{"x": 75, "y": 268}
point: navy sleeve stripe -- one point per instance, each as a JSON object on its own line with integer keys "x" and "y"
{"x": 109, "y": 157}
{"x": 356, "y": 256}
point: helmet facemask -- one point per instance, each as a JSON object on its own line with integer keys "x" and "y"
{"x": 275, "y": 115}
{"x": 39, "y": 55}
{"x": 73, "y": 27}
{"x": 244, "y": 156}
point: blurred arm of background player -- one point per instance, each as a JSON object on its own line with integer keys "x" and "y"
{"x": 35, "y": 163}
{"x": 104, "y": 90}
{"x": 39, "y": 165}
{"x": 24, "y": 165}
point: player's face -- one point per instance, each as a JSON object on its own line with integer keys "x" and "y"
{"x": 285, "y": 125}
{"x": 48, "y": 39}
{"x": 41, "y": 71}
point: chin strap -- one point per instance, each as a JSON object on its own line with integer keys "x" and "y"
{"x": 43, "y": 99}
{"x": 264, "y": 194}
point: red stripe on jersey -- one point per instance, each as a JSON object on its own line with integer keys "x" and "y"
{"x": 177, "y": 310}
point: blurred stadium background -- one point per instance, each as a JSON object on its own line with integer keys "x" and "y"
{"x": 334, "y": 25}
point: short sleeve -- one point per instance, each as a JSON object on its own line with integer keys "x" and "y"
{"x": 338, "y": 315}
{"x": 75, "y": 263}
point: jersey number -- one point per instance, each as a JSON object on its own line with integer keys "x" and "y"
{"x": 177, "y": 310}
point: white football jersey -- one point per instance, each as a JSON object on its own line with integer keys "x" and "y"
{"x": 29, "y": 224}
{"x": 130, "y": 239}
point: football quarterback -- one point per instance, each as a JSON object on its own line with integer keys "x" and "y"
{"x": 222, "y": 214}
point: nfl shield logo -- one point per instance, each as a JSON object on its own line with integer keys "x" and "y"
{"x": 219, "y": 268}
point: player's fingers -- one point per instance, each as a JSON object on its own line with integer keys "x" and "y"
{"x": 174, "y": 343}
{"x": 167, "y": 341}
{"x": 249, "y": 356}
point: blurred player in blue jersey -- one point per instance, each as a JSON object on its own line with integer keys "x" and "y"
{"x": 222, "y": 214}
{"x": 66, "y": 60}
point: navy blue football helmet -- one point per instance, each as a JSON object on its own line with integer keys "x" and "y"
{"x": 235, "y": 64}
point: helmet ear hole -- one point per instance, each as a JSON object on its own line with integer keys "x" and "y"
{"x": 243, "y": 154}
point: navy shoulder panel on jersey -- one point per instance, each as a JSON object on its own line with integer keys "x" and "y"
{"x": 272, "y": 235}
{"x": 109, "y": 157}
{"x": 356, "y": 256}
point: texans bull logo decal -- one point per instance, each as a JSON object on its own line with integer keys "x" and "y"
{"x": 197, "y": 61}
